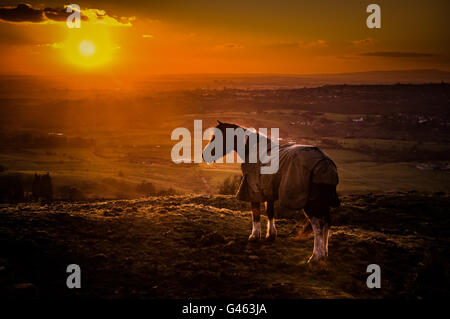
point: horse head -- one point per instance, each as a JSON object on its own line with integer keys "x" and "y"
{"x": 218, "y": 146}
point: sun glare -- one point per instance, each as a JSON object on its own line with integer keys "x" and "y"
{"x": 88, "y": 48}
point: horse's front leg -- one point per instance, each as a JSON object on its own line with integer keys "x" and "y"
{"x": 326, "y": 235}
{"x": 256, "y": 228}
{"x": 271, "y": 229}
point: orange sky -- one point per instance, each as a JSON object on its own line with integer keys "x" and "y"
{"x": 175, "y": 37}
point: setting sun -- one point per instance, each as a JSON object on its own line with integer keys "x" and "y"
{"x": 88, "y": 47}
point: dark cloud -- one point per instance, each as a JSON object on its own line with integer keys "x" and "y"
{"x": 398, "y": 54}
{"x": 57, "y": 14}
{"x": 26, "y": 13}
{"x": 22, "y": 13}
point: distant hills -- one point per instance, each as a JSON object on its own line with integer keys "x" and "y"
{"x": 274, "y": 81}
{"x": 10, "y": 84}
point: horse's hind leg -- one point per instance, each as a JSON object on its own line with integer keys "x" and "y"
{"x": 319, "y": 243}
{"x": 256, "y": 223}
{"x": 271, "y": 229}
{"x": 318, "y": 214}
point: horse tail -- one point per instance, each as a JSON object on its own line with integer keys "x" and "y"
{"x": 323, "y": 183}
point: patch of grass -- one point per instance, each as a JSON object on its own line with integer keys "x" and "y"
{"x": 196, "y": 247}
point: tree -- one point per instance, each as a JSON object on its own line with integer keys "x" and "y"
{"x": 42, "y": 187}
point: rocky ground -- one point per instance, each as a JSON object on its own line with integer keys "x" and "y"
{"x": 196, "y": 247}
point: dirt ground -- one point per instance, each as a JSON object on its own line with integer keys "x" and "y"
{"x": 196, "y": 247}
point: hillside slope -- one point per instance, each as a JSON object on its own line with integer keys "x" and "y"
{"x": 196, "y": 247}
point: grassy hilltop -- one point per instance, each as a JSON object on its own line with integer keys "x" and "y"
{"x": 196, "y": 247}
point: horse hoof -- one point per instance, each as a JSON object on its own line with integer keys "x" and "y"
{"x": 253, "y": 238}
{"x": 318, "y": 261}
{"x": 271, "y": 237}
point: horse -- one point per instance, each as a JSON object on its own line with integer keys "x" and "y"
{"x": 306, "y": 179}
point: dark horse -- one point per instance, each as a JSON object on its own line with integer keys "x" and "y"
{"x": 306, "y": 179}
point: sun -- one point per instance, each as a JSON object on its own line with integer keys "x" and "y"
{"x": 88, "y": 48}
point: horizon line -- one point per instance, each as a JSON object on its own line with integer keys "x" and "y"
{"x": 226, "y": 73}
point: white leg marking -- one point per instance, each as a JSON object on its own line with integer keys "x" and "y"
{"x": 256, "y": 231}
{"x": 271, "y": 229}
{"x": 319, "y": 244}
{"x": 326, "y": 235}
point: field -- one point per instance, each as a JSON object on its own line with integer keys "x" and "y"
{"x": 121, "y": 159}
{"x": 196, "y": 247}
{"x": 142, "y": 226}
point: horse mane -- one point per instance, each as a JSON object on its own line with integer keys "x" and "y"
{"x": 228, "y": 125}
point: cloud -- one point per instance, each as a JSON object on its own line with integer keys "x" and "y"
{"x": 363, "y": 42}
{"x": 25, "y": 13}
{"x": 299, "y": 44}
{"x": 100, "y": 16}
{"x": 228, "y": 46}
{"x": 56, "y": 45}
{"x": 287, "y": 45}
{"x": 314, "y": 44}
{"x": 384, "y": 54}
{"x": 22, "y": 13}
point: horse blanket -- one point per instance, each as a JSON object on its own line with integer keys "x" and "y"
{"x": 299, "y": 166}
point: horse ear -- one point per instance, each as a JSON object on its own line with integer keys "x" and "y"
{"x": 218, "y": 122}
